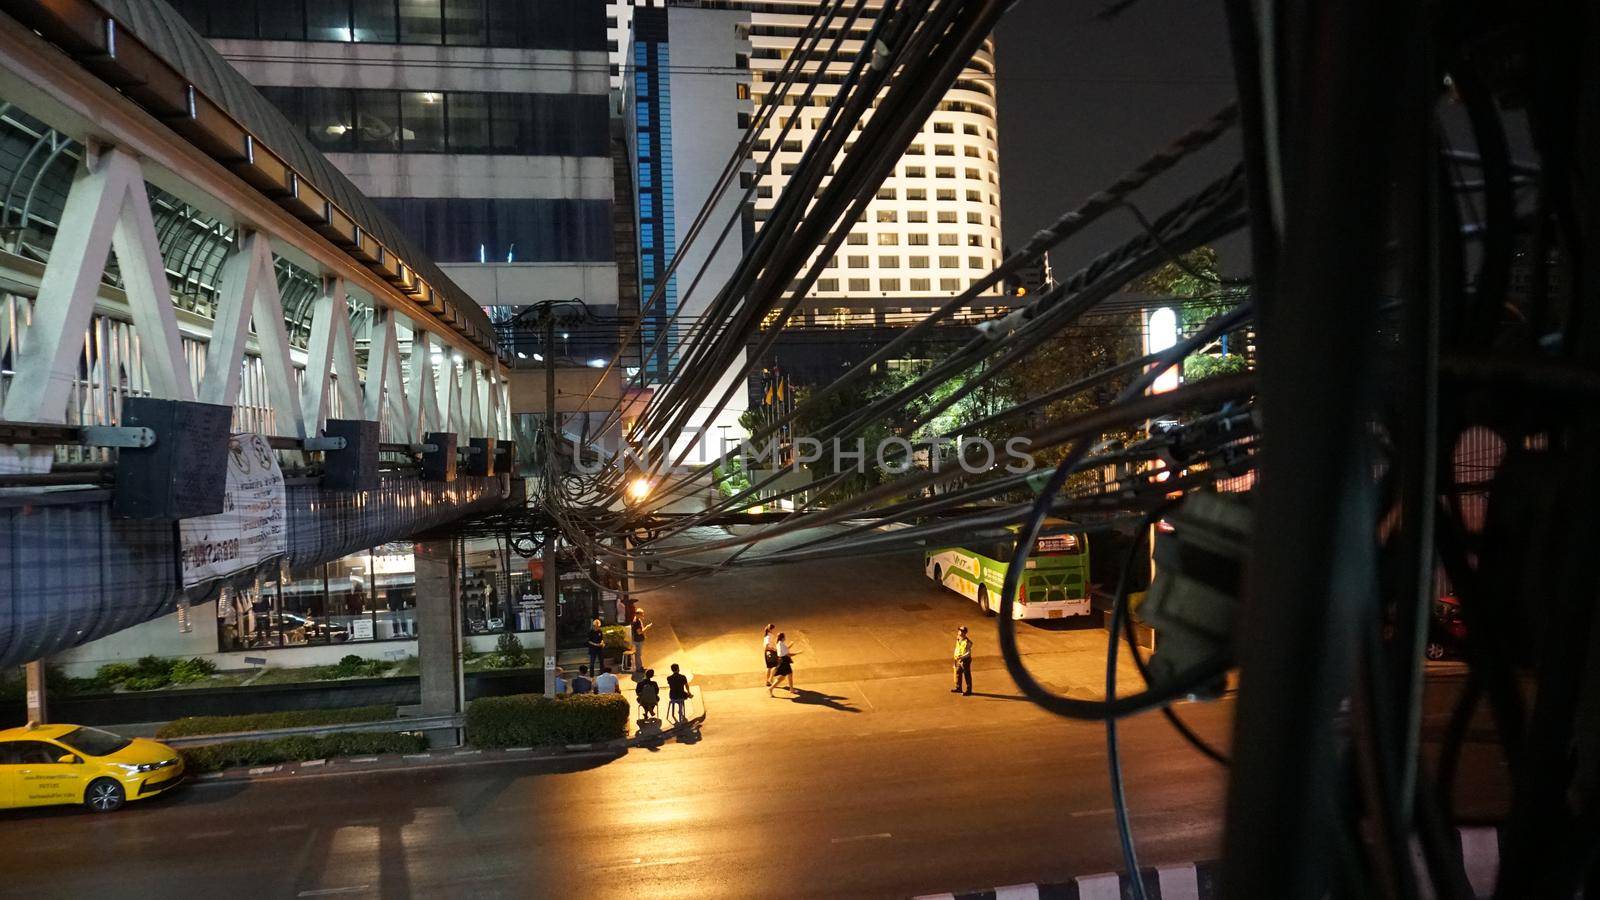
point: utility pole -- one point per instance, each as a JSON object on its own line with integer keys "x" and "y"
{"x": 552, "y": 585}
{"x": 38, "y": 711}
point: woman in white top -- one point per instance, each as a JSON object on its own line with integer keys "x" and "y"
{"x": 768, "y": 654}
{"x": 785, "y": 667}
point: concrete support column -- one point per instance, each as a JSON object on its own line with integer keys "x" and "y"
{"x": 38, "y": 709}
{"x": 439, "y": 632}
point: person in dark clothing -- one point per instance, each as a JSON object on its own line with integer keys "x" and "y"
{"x": 597, "y": 647}
{"x": 963, "y": 662}
{"x": 637, "y": 626}
{"x": 583, "y": 684}
{"x": 648, "y": 694}
{"x": 677, "y": 695}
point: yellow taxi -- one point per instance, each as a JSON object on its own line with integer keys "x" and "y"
{"x": 46, "y": 765}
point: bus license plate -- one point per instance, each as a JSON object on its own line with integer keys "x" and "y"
{"x": 1055, "y": 613}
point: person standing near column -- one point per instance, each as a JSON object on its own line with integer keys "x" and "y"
{"x": 597, "y": 646}
{"x": 636, "y": 629}
{"x": 963, "y": 662}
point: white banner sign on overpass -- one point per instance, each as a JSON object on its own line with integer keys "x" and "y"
{"x": 251, "y": 527}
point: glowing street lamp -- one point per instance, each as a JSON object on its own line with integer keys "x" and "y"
{"x": 639, "y": 488}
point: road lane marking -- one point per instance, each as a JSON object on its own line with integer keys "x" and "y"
{"x": 1091, "y": 812}
{"x": 1100, "y": 887}
{"x": 639, "y": 862}
{"x": 862, "y": 837}
{"x": 1017, "y": 892}
{"x": 328, "y": 892}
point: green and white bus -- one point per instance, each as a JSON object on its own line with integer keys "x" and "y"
{"x": 1056, "y": 586}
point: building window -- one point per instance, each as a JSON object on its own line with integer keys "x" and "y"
{"x": 888, "y": 262}
{"x": 422, "y": 118}
{"x": 944, "y": 150}
{"x": 468, "y": 122}
{"x": 377, "y": 121}
{"x": 946, "y": 195}
{"x": 917, "y": 216}
{"x": 917, "y": 239}
{"x": 461, "y": 229}
{"x": 921, "y": 284}
{"x": 915, "y": 150}
{"x": 829, "y": 285}
{"x": 856, "y": 237}
{"x": 949, "y": 262}
{"x": 887, "y": 215}
{"x": 464, "y": 23}
{"x": 947, "y": 216}
{"x": 974, "y": 218}
{"x": 420, "y": 22}
{"x": 974, "y": 240}
{"x": 374, "y": 21}
{"x": 859, "y": 285}
{"x": 888, "y": 284}
{"x": 888, "y": 239}
{"x": 974, "y": 196}
{"x": 918, "y": 262}
{"x": 741, "y": 91}
{"x": 950, "y": 284}
{"x": 857, "y": 262}
{"x": 886, "y": 193}
{"x": 916, "y": 194}
{"x": 944, "y": 172}
{"x": 974, "y": 262}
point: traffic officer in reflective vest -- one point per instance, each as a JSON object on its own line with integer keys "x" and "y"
{"x": 963, "y": 662}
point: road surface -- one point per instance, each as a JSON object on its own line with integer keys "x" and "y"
{"x": 875, "y": 781}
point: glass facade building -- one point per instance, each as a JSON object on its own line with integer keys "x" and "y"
{"x": 523, "y": 24}
{"x": 651, "y": 147}
{"x": 371, "y": 597}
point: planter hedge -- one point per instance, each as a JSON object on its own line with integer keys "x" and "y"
{"x": 532, "y": 720}
{"x": 193, "y": 726}
{"x": 215, "y": 757}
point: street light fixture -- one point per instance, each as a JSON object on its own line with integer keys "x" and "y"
{"x": 639, "y": 488}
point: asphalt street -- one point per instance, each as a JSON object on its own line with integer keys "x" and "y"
{"x": 873, "y": 781}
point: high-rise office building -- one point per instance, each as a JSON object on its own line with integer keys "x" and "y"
{"x": 934, "y": 227}
{"x": 480, "y": 126}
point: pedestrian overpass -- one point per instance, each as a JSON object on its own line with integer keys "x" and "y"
{"x": 178, "y": 263}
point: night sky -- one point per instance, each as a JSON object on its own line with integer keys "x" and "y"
{"x": 1082, "y": 101}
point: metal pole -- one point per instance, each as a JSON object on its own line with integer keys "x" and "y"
{"x": 551, "y": 585}
{"x": 37, "y": 707}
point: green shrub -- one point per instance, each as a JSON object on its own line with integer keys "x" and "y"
{"x": 188, "y": 671}
{"x": 509, "y": 649}
{"x": 147, "y": 682}
{"x": 615, "y": 638}
{"x": 191, "y": 726}
{"x": 351, "y": 666}
{"x": 215, "y": 757}
{"x": 530, "y": 720}
{"x": 112, "y": 674}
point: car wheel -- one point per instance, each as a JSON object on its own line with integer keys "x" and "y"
{"x": 983, "y": 600}
{"x": 938, "y": 575}
{"x": 104, "y": 795}
{"x": 1434, "y": 650}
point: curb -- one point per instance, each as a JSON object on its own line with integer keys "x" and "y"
{"x": 459, "y": 757}
{"x": 1480, "y": 852}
